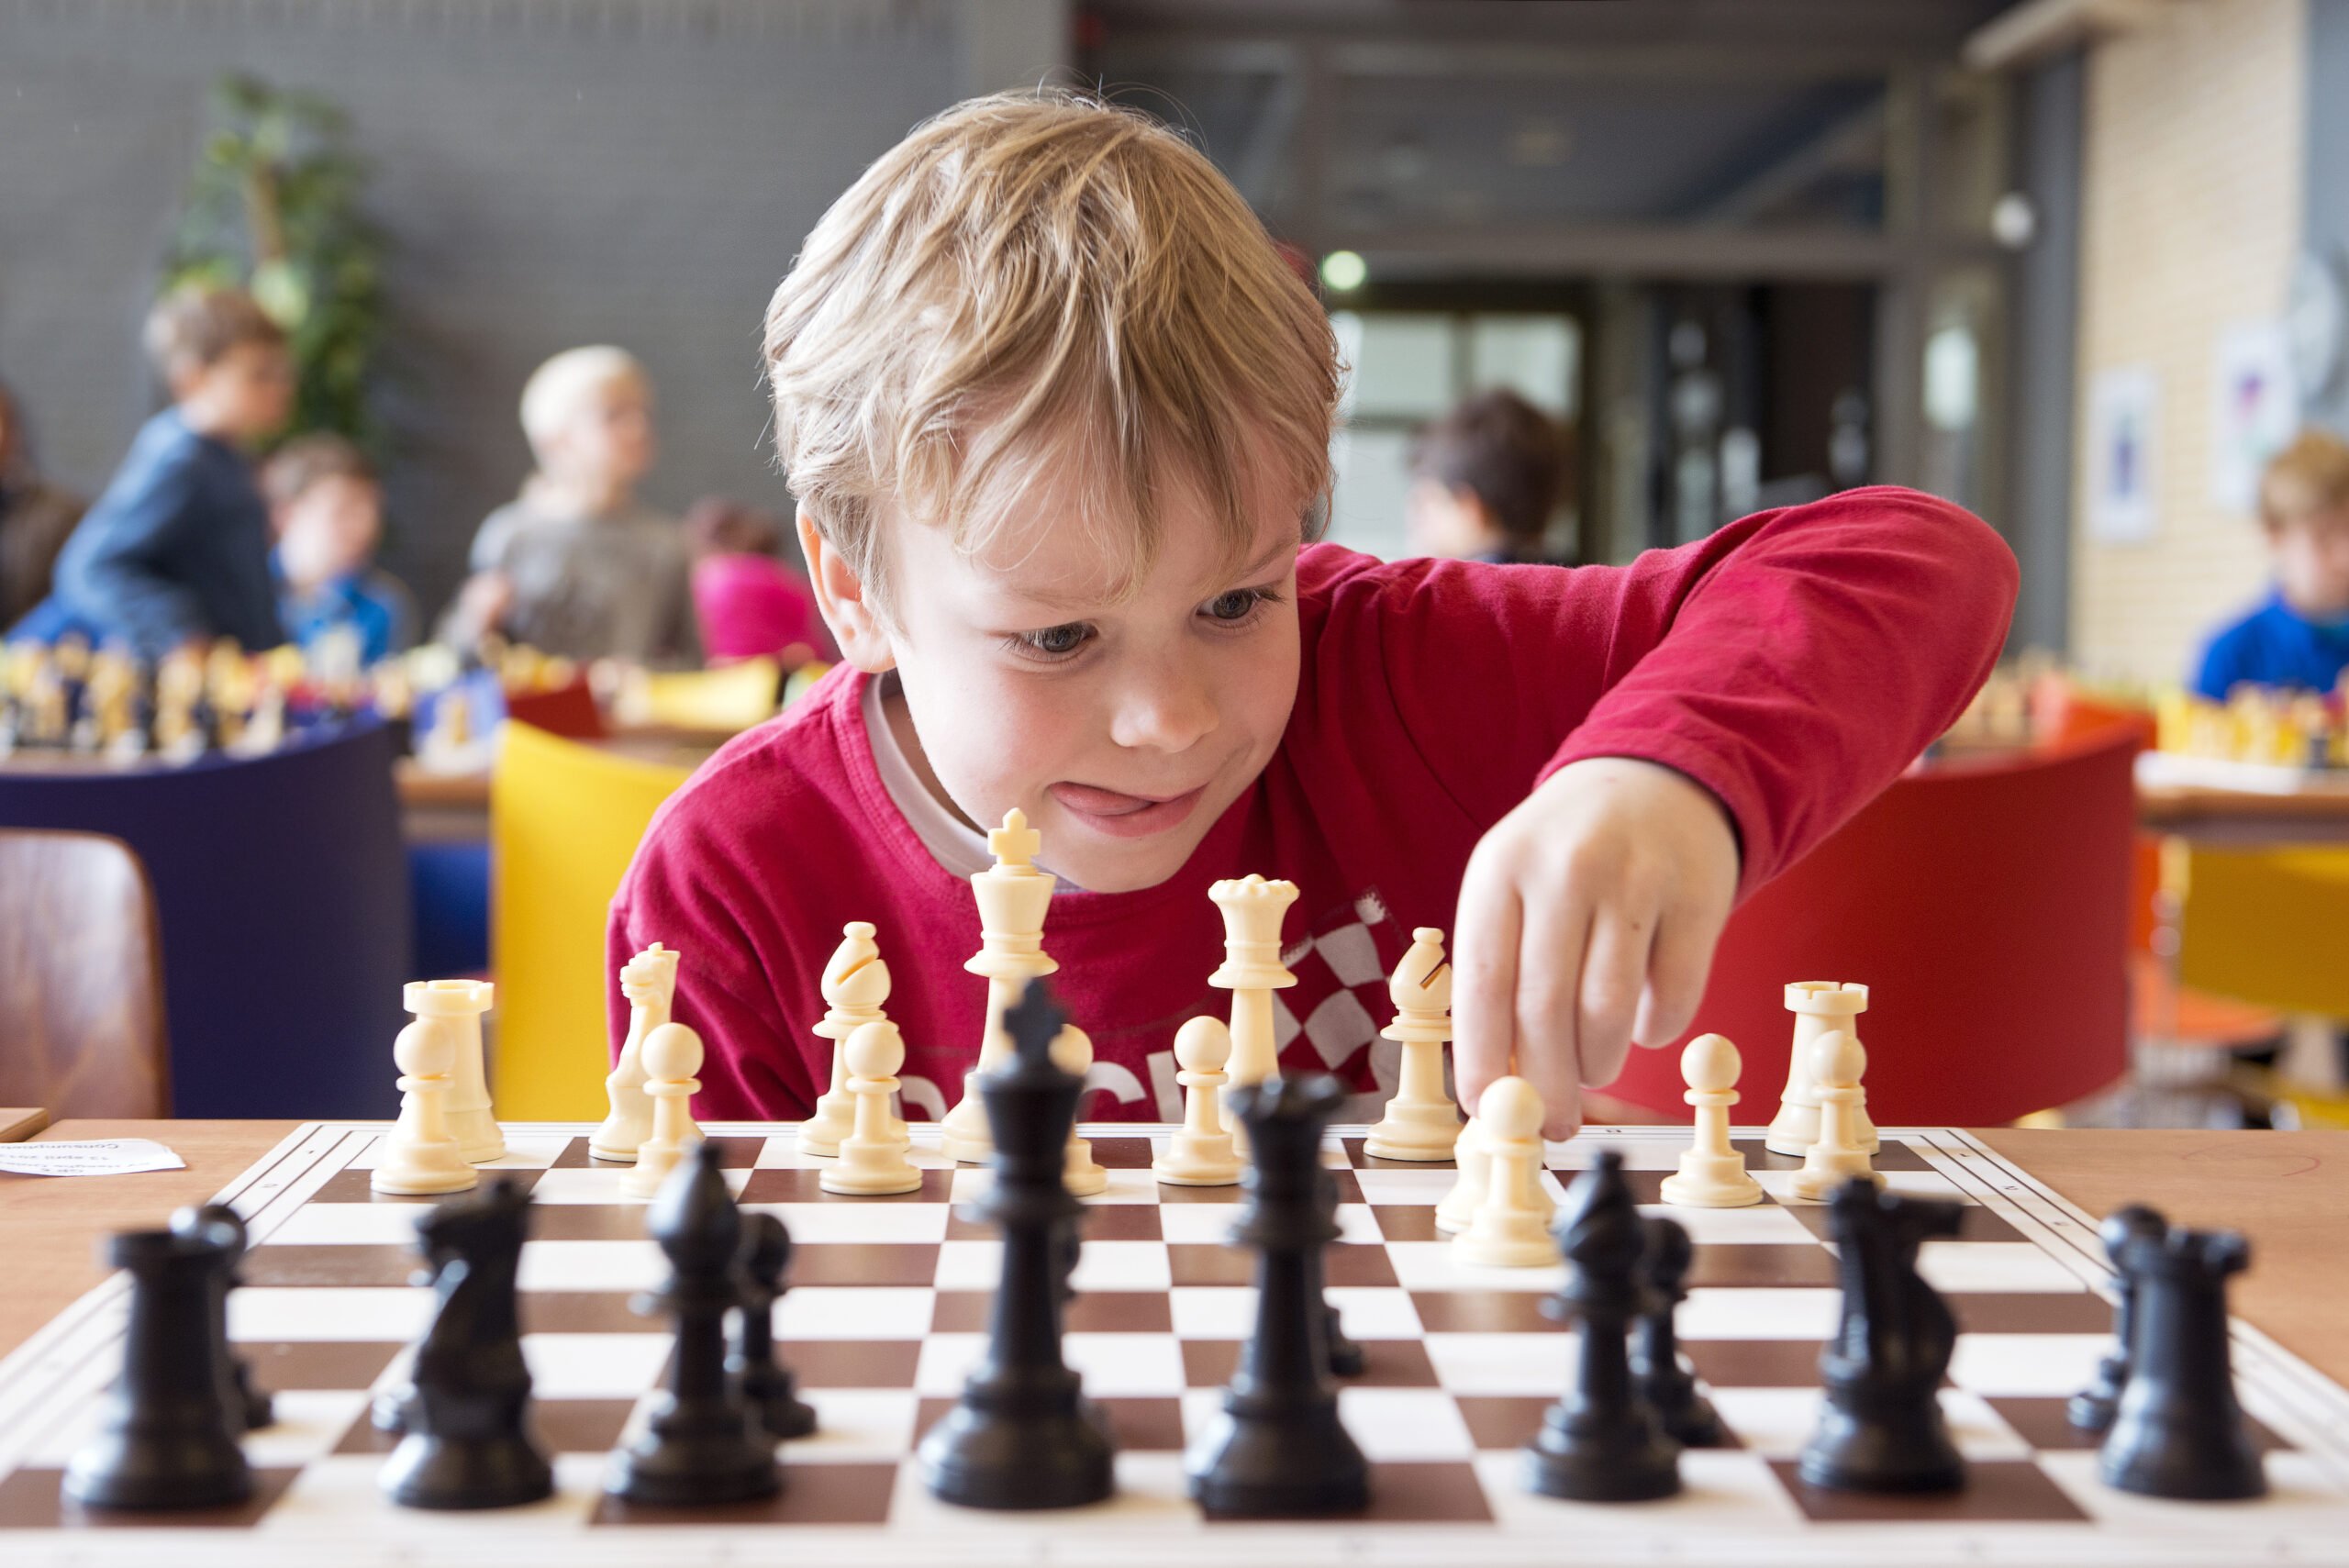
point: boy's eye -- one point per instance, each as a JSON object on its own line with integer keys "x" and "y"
{"x": 1054, "y": 641}
{"x": 1238, "y": 605}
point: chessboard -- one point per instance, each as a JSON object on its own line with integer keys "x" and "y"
{"x": 888, "y": 1312}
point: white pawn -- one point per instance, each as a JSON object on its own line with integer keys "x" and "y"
{"x": 855, "y": 984}
{"x": 871, "y": 1159}
{"x": 1712, "y": 1174}
{"x": 421, "y": 1155}
{"x": 1837, "y": 1062}
{"x": 1073, "y": 1053}
{"x": 1510, "y": 1230}
{"x": 1200, "y": 1154}
{"x": 649, "y": 985}
{"x": 672, "y": 1056}
{"x": 1421, "y": 1121}
{"x": 1459, "y": 1204}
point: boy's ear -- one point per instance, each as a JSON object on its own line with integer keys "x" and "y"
{"x": 839, "y": 594}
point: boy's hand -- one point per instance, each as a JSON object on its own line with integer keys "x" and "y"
{"x": 1587, "y": 920}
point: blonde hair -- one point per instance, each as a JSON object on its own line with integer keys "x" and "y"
{"x": 195, "y": 326}
{"x": 558, "y": 389}
{"x": 1035, "y": 276}
{"x": 2308, "y": 476}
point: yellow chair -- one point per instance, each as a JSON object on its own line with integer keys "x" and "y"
{"x": 725, "y": 698}
{"x": 565, "y": 820}
{"x": 2265, "y": 925}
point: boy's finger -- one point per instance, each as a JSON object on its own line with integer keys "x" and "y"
{"x": 1677, "y": 964}
{"x": 1484, "y": 982}
{"x": 1613, "y": 972}
{"x": 1548, "y": 983}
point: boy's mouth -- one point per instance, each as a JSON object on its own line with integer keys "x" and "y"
{"x": 1125, "y": 816}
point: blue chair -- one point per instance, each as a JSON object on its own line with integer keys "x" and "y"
{"x": 281, "y": 890}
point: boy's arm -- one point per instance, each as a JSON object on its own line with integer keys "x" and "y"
{"x": 1688, "y": 727}
{"x": 121, "y": 583}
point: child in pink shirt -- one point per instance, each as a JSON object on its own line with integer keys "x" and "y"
{"x": 1057, "y": 416}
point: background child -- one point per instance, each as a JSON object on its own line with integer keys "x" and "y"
{"x": 2299, "y": 637}
{"x": 326, "y": 511}
{"x": 749, "y": 601}
{"x": 1486, "y": 480}
{"x": 1064, "y": 549}
{"x": 176, "y": 550}
{"x": 36, "y": 518}
{"x": 576, "y": 566}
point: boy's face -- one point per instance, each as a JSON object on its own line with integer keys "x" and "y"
{"x": 609, "y": 439}
{"x": 329, "y": 530}
{"x": 1122, "y": 728}
{"x": 2312, "y": 552}
{"x": 245, "y": 394}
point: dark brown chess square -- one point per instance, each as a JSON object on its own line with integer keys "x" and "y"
{"x": 811, "y": 1494}
{"x": 587, "y": 1222}
{"x": 1762, "y": 1263}
{"x": 2011, "y": 1491}
{"x": 864, "y": 1263}
{"x": 1754, "y": 1363}
{"x": 1199, "y": 1263}
{"x": 564, "y": 1426}
{"x": 1124, "y": 1151}
{"x": 29, "y": 1499}
{"x": 2042, "y": 1423}
{"x": 1975, "y": 1223}
{"x": 1103, "y": 1222}
{"x": 585, "y": 1312}
{"x": 1418, "y": 1493}
{"x": 347, "y": 1186}
{"x": 2030, "y": 1312}
{"x": 798, "y": 1184}
{"x": 1483, "y": 1312}
{"x": 1406, "y": 1221}
{"x": 734, "y": 1153}
{"x": 1502, "y": 1420}
{"x": 1090, "y": 1312}
{"x": 272, "y": 1263}
{"x": 849, "y": 1363}
{"x": 1386, "y": 1363}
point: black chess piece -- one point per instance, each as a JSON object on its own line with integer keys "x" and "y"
{"x": 772, "y": 1392}
{"x": 1687, "y": 1417}
{"x": 1346, "y": 1357}
{"x": 467, "y": 1442}
{"x": 700, "y": 1446}
{"x": 248, "y": 1405}
{"x": 1278, "y": 1450}
{"x": 1602, "y": 1442}
{"x": 1023, "y": 1435}
{"x": 2091, "y": 1409}
{"x": 1882, "y": 1429}
{"x": 2178, "y": 1431}
{"x": 170, "y": 1439}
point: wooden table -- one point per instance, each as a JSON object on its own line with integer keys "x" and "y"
{"x": 2237, "y": 819}
{"x": 2288, "y": 1191}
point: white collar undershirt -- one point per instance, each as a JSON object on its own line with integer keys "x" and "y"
{"x": 951, "y": 842}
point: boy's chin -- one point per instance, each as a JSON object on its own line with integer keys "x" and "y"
{"x": 1100, "y": 864}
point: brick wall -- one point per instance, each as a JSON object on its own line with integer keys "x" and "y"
{"x": 2192, "y": 184}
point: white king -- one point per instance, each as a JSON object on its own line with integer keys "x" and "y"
{"x": 1013, "y": 895}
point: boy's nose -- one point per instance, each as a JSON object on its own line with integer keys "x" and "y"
{"x": 1164, "y": 711}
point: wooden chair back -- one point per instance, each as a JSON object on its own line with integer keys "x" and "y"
{"x": 80, "y": 978}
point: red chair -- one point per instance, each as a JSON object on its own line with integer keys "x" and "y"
{"x": 569, "y": 711}
{"x": 1987, "y": 907}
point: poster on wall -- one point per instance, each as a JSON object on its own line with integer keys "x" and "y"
{"x": 2123, "y": 405}
{"x": 2254, "y": 407}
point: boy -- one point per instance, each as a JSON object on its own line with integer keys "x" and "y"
{"x": 1061, "y": 543}
{"x": 2301, "y": 636}
{"x": 1485, "y": 480}
{"x": 576, "y": 566}
{"x": 326, "y": 510}
{"x": 176, "y": 552}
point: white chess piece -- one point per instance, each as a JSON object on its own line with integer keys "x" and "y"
{"x": 1510, "y": 1230}
{"x": 1712, "y": 1174}
{"x": 1200, "y": 1153}
{"x": 419, "y": 1156}
{"x": 1252, "y": 971}
{"x": 855, "y": 984}
{"x": 1421, "y": 1121}
{"x": 1819, "y": 1007}
{"x": 673, "y": 1056}
{"x": 1837, "y": 1062}
{"x": 1458, "y": 1206}
{"x": 649, "y": 981}
{"x": 871, "y": 1161}
{"x": 1013, "y": 895}
{"x": 461, "y": 1004}
{"x": 1073, "y": 1053}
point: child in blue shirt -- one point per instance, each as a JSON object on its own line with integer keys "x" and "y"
{"x": 327, "y": 512}
{"x": 176, "y": 552}
{"x": 2299, "y": 637}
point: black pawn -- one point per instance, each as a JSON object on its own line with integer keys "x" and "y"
{"x": 1883, "y": 1430}
{"x": 466, "y": 1442}
{"x": 1023, "y": 1435}
{"x": 1687, "y": 1417}
{"x": 1602, "y": 1442}
{"x": 1278, "y": 1449}
{"x": 771, "y": 1389}
{"x": 247, "y": 1402}
{"x": 701, "y": 1446}
{"x": 170, "y": 1439}
{"x": 2091, "y": 1409}
{"x": 2178, "y": 1431}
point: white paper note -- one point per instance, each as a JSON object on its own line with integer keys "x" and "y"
{"x": 88, "y": 1157}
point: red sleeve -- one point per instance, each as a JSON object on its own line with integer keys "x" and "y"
{"x": 1793, "y": 663}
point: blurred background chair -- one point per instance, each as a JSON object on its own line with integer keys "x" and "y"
{"x": 566, "y": 710}
{"x": 725, "y": 700}
{"x": 563, "y": 821}
{"x": 1986, "y": 907}
{"x": 282, "y": 894}
{"x": 80, "y": 978}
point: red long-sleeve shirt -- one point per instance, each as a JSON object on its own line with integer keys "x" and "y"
{"x": 1793, "y": 663}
